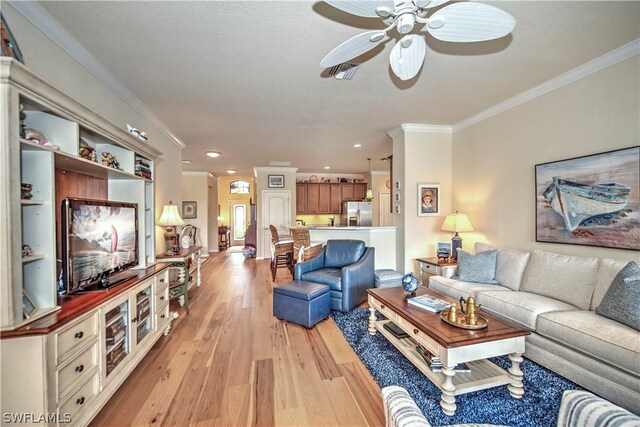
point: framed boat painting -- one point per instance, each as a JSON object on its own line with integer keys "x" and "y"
{"x": 590, "y": 200}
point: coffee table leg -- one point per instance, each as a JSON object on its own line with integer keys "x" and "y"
{"x": 516, "y": 387}
{"x": 448, "y": 398}
{"x": 372, "y": 321}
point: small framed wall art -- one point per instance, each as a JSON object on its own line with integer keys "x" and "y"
{"x": 428, "y": 199}
{"x": 28, "y": 306}
{"x": 276, "y": 181}
{"x": 189, "y": 210}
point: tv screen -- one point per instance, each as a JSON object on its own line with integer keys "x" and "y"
{"x": 99, "y": 239}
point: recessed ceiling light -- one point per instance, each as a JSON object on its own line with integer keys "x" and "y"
{"x": 231, "y": 171}
{"x": 327, "y": 167}
{"x": 186, "y": 162}
{"x": 213, "y": 153}
{"x": 357, "y": 145}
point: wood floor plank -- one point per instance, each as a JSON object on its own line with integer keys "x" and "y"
{"x": 230, "y": 362}
{"x": 263, "y": 396}
{"x": 323, "y": 358}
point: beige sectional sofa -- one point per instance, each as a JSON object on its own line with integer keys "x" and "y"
{"x": 554, "y": 296}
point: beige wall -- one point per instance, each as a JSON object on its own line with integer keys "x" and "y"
{"x": 49, "y": 61}
{"x": 493, "y": 168}
{"x": 377, "y": 182}
{"x": 224, "y": 196}
{"x": 195, "y": 188}
{"x": 212, "y": 220}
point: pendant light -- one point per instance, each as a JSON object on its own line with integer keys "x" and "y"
{"x": 369, "y": 196}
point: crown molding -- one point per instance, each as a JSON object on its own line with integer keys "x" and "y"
{"x": 414, "y": 127}
{"x": 36, "y": 15}
{"x": 607, "y": 60}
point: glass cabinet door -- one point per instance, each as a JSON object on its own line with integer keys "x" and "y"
{"x": 116, "y": 335}
{"x": 143, "y": 317}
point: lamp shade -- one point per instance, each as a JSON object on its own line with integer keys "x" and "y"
{"x": 170, "y": 216}
{"x": 457, "y": 223}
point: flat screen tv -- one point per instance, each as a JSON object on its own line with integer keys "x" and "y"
{"x": 99, "y": 239}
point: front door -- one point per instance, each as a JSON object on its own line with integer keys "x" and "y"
{"x": 276, "y": 210}
{"x": 239, "y": 212}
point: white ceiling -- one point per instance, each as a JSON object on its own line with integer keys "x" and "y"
{"x": 243, "y": 77}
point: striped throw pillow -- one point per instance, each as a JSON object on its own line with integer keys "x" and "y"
{"x": 581, "y": 408}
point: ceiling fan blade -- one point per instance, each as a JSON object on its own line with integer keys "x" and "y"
{"x": 469, "y": 22}
{"x": 407, "y": 61}
{"x": 426, "y": 4}
{"x": 353, "y": 47}
{"x": 362, "y": 8}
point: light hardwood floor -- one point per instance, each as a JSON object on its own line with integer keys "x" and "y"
{"x": 230, "y": 362}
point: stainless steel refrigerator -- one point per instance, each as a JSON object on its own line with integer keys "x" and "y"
{"x": 356, "y": 214}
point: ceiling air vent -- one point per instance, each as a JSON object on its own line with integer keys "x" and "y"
{"x": 344, "y": 71}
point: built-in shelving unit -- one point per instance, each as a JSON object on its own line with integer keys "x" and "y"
{"x": 28, "y": 102}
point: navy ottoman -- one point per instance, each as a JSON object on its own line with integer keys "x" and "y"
{"x": 304, "y": 303}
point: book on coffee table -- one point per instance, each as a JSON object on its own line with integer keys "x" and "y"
{"x": 429, "y": 303}
{"x": 395, "y": 330}
{"x": 435, "y": 364}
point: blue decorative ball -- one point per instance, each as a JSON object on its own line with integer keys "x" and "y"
{"x": 410, "y": 282}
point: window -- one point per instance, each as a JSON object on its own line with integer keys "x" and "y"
{"x": 239, "y": 187}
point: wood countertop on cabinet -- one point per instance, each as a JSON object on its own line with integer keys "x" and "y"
{"x": 76, "y": 305}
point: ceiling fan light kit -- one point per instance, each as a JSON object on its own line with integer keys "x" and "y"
{"x": 458, "y": 22}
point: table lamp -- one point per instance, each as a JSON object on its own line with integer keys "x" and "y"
{"x": 170, "y": 218}
{"x": 456, "y": 223}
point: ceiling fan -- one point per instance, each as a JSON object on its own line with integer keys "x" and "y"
{"x": 457, "y": 22}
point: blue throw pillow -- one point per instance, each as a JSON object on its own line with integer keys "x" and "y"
{"x": 622, "y": 299}
{"x": 479, "y": 268}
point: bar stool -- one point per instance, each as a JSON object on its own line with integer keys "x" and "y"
{"x": 281, "y": 253}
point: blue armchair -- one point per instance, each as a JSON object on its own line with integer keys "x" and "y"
{"x": 346, "y": 266}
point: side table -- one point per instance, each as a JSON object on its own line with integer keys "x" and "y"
{"x": 435, "y": 267}
{"x": 186, "y": 262}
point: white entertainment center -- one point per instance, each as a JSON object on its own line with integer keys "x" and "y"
{"x": 63, "y": 357}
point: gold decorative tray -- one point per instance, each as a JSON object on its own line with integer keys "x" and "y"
{"x": 482, "y": 321}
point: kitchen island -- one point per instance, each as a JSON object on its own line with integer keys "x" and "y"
{"x": 381, "y": 238}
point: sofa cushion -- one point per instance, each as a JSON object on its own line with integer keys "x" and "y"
{"x": 510, "y": 265}
{"x": 457, "y": 288}
{"x": 340, "y": 253}
{"x": 622, "y": 300}
{"x": 520, "y": 307}
{"x": 581, "y": 408}
{"x": 479, "y": 268}
{"x": 597, "y": 336}
{"x": 570, "y": 279}
{"x": 608, "y": 269}
{"x": 326, "y": 276}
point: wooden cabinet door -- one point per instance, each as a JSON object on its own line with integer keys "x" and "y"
{"x": 301, "y": 198}
{"x": 347, "y": 191}
{"x": 336, "y": 199}
{"x": 313, "y": 193}
{"x": 324, "y": 198}
{"x": 359, "y": 191}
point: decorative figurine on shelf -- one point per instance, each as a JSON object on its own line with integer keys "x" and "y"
{"x": 25, "y": 191}
{"x": 410, "y": 283}
{"x": 26, "y": 251}
{"x": 23, "y": 116}
{"x": 110, "y": 160}
{"x": 87, "y": 152}
{"x": 39, "y": 138}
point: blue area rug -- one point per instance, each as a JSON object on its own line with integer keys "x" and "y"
{"x": 542, "y": 388}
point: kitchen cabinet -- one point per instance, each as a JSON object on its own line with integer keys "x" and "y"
{"x": 326, "y": 198}
{"x": 313, "y": 192}
{"x": 335, "y": 202}
{"x": 301, "y": 198}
